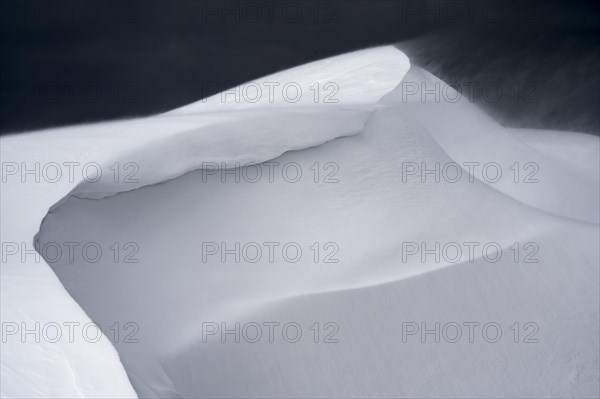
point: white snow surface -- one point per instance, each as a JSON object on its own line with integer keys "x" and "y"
{"x": 369, "y": 293}
{"x": 163, "y": 147}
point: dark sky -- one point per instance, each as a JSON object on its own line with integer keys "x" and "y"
{"x": 65, "y": 62}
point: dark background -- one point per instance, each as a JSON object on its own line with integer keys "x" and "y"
{"x": 66, "y": 62}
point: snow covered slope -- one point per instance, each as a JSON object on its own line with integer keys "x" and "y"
{"x": 158, "y": 148}
{"x": 374, "y": 286}
{"x": 375, "y": 207}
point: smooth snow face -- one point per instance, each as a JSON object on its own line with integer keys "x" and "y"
{"x": 159, "y": 148}
{"x": 368, "y": 205}
{"x": 529, "y": 164}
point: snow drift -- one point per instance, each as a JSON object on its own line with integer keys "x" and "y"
{"x": 161, "y": 148}
{"x": 369, "y": 209}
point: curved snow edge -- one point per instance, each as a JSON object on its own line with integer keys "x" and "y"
{"x": 157, "y": 148}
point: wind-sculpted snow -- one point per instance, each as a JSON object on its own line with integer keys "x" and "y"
{"x": 568, "y": 186}
{"x": 365, "y": 189}
{"x": 294, "y": 109}
{"x": 152, "y": 149}
{"x": 362, "y": 77}
{"x": 366, "y": 204}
